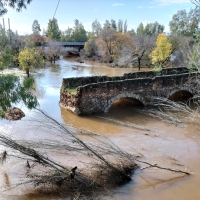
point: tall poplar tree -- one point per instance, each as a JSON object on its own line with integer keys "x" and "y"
{"x": 53, "y": 32}
{"x": 36, "y": 27}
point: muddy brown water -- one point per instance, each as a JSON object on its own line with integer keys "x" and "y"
{"x": 167, "y": 145}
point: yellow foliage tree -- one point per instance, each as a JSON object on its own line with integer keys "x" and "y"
{"x": 30, "y": 58}
{"x": 162, "y": 51}
{"x": 111, "y": 43}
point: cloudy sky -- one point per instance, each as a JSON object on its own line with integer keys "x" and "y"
{"x": 86, "y": 11}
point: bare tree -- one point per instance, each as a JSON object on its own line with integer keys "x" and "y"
{"x": 143, "y": 44}
{"x": 53, "y": 52}
{"x": 196, "y": 2}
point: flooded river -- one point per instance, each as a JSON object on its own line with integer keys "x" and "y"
{"x": 168, "y": 145}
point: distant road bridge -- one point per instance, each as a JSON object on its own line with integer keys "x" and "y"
{"x": 71, "y": 47}
{"x": 87, "y": 95}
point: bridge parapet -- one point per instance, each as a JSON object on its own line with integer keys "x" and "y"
{"x": 97, "y": 97}
{"x": 80, "y": 81}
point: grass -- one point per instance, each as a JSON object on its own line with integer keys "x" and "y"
{"x": 71, "y": 90}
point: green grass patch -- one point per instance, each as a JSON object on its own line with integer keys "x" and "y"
{"x": 71, "y": 90}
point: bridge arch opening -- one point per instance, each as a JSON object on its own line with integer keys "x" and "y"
{"x": 124, "y": 103}
{"x": 181, "y": 95}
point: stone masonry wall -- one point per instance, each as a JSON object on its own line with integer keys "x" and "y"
{"x": 81, "y": 81}
{"x": 97, "y": 97}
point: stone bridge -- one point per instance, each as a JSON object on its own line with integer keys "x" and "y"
{"x": 87, "y": 95}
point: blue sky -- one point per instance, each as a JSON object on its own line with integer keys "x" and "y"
{"x": 86, "y": 11}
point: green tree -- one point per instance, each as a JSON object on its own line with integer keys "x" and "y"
{"x": 79, "y": 33}
{"x": 13, "y": 91}
{"x": 96, "y": 28}
{"x": 113, "y": 24}
{"x": 184, "y": 23}
{"x": 66, "y": 36}
{"x": 140, "y": 29}
{"x": 18, "y": 5}
{"x": 131, "y": 32}
{"x": 161, "y": 53}
{"x": 12, "y": 88}
{"x": 153, "y": 29}
{"x": 36, "y": 27}
{"x": 107, "y": 25}
{"x": 6, "y": 57}
{"x": 53, "y": 31}
{"x": 30, "y": 58}
{"x": 90, "y": 47}
{"x": 120, "y": 26}
{"x": 193, "y": 55}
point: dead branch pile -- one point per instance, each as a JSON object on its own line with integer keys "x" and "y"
{"x": 99, "y": 163}
{"x": 172, "y": 112}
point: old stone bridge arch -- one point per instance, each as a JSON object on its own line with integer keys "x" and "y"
{"x": 181, "y": 92}
{"x": 96, "y": 94}
{"x": 123, "y": 96}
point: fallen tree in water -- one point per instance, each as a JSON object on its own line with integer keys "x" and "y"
{"x": 108, "y": 166}
{"x": 98, "y": 164}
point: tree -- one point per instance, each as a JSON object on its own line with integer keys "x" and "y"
{"x": 184, "y": 23}
{"x": 13, "y": 90}
{"x": 52, "y": 53}
{"x": 66, "y": 36}
{"x": 153, "y": 28}
{"x": 6, "y": 57}
{"x": 143, "y": 44}
{"x": 90, "y": 47}
{"x": 150, "y": 29}
{"x": 113, "y": 24}
{"x": 107, "y": 25}
{"x": 36, "y": 27}
{"x": 196, "y": 2}
{"x": 120, "y": 26}
{"x": 193, "y": 54}
{"x": 110, "y": 43}
{"x": 125, "y": 27}
{"x": 53, "y": 31}
{"x": 79, "y": 33}
{"x": 29, "y": 58}
{"x": 140, "y": 29}
{"x": 19, "y": 5}
{"x": 194, "y": 59}
{"x": 161, "y": 53}
{"x": 96, "y": 28}
{"x": 131, "y": 32}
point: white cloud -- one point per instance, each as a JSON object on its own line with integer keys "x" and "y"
{"x": 156, "y": 3}
{"x": 118, "y": 4}
{"x": 22, "y": 28}
{"x": 140, "y": 7}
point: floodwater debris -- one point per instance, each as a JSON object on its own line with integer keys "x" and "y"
{"x": 109, "y": 166}
{"x": 14, "y": 113}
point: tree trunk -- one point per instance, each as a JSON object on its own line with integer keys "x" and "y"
{"x": 54, "y": 59}
{"x": 27, "y": 72}
{"x": 139, "y": 63}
